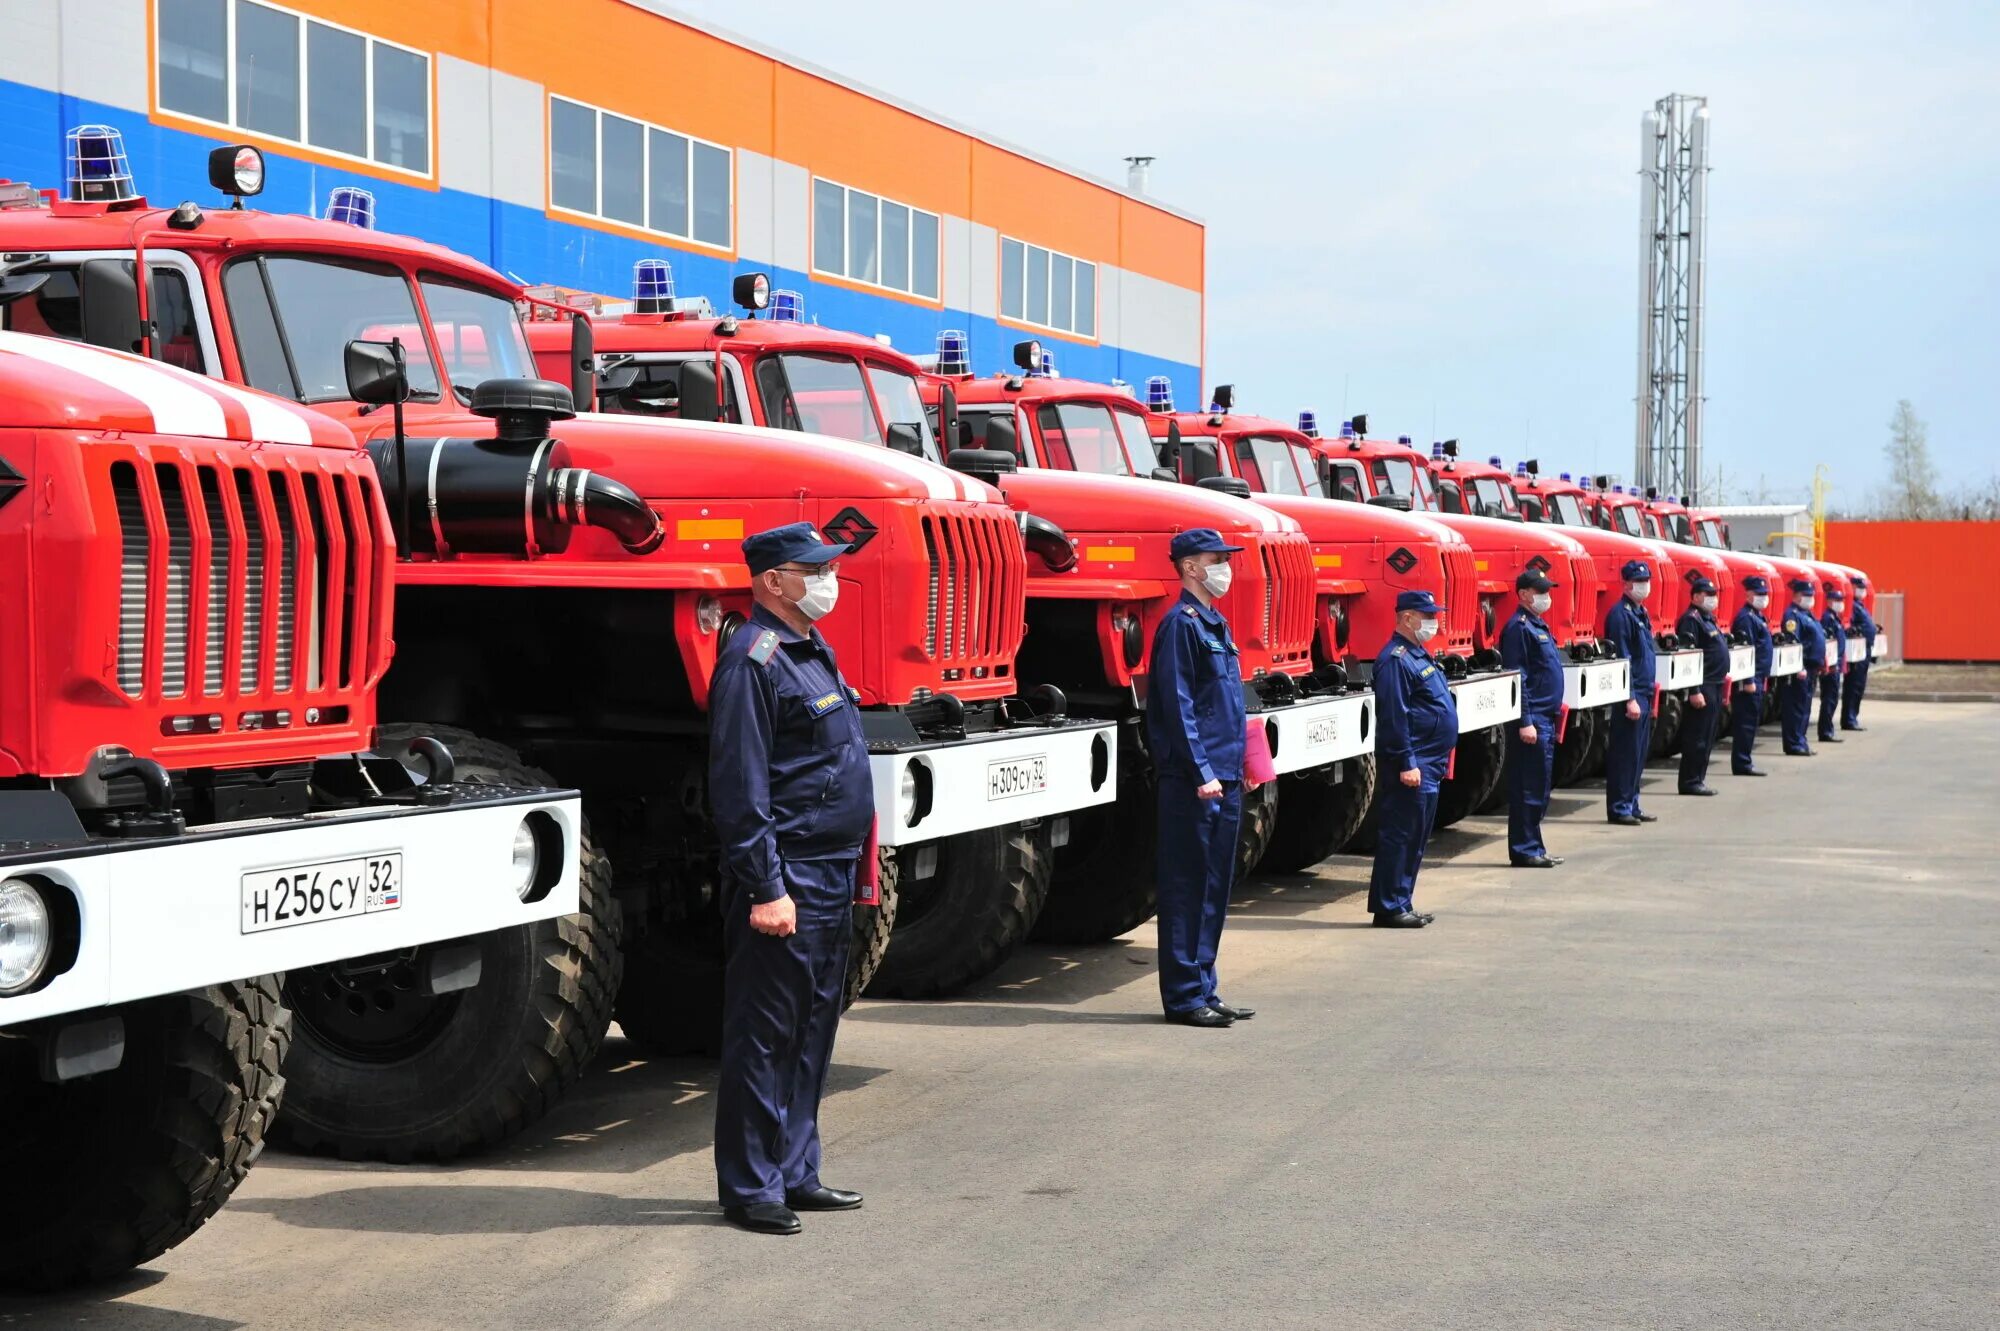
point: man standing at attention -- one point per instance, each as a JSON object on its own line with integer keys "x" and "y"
{"x": 1627, "y": 628}
{"x": 1698, "y": 626}
{"x": 793, "y": 800}
{"x": 1795, "y": 707}
{"x": 1195, "y": 728}
{"x": 1416, "y": 728}
{"x": 1861, "y": 624}
{"x": 1833, "y": 623}
{"x": 1747, "y": 703}
{"x": 1527, "y": 646}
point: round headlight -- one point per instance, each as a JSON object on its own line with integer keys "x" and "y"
{"x": 248, "y": 168}
{"x": 906, "y": 793}
{"x": 708, "y": 614}
{"x": 527, "y": 859}
{"x": 27, "y": 935}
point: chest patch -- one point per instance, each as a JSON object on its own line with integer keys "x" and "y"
{"x": 825, "y": 703}
{"x": 1791, "y": 626}
{"x": 1425, "y": 673}
{"x": 1214, "y": 644}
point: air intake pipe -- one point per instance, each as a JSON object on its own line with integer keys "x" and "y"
{"x": 1048, "y": 542}
{"x": 513, "y": 494}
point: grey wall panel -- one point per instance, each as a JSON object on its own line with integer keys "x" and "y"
{"x": 520, "y": 154}
{"x": 28, "y": 49}
{"x": 955, "y": 256}
{"x": 755, "y": 215}
{"x": 791, "y": 216}
{"x": 983, "y": 270}
{"x": 1110, "y": 320}
{"x": 103, "y": 50}
{"x": 1158, "y": 318}
{"x": 465, "y": 125}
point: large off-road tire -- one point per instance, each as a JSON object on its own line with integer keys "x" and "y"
{"x": 960, "y": 923}
{"x": 1573, "y": 754}
{"x": 1479, "y": 766}
{"x": 875, "y": 928}
{"x": 107, "y": 1172}
{"x": 381, "y": 1071}
{"x": 1310, "y": 829}
{"x": 1103, "y": 884}
{"x": 1254, "y": 832}
{"x": 1667, "y": 726}
{"x": 1367, "y": 815}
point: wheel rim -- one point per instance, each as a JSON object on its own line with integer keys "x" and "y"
{"x": 371, "y": 1010}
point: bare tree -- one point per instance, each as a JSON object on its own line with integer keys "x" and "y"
{"x": 1912, "y": 491}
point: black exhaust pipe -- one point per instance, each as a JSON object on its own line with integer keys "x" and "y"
{"x": 584, "y": 498}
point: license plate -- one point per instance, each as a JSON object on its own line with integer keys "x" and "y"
{"x": 293, "y": 894}
{"x": 1008, "y": 777}
{"x": 1323, "y": 732}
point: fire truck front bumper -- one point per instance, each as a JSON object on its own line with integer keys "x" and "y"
{"x": 1596, "y": 683}
{"x": 928, "y": 790}
{"x": 1485, "y": 701}
{"x": 1788, "y": 659}
{"x": 1316, "y": 731}
{"x": 1742, "y": 663}
{"x": 137, "y": 917}
{"x": 1679, "y": 670}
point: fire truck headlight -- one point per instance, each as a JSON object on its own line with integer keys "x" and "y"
{"x": 914, "y": 793}
{"x": 27, "y": 935}
{"x": 527, "y": 859}
{"x": 237, "y": 170}
{"x": 708, "y": 614}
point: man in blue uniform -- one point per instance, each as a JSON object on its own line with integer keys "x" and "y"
{"x": 1705, "y": 700}
{"x": 789, "y": 784}
{"x": 1527, "y": 645}
{"x": 1861, "y": 624}
{"x": 1795, "y": 705}
{"x": 1833, "y": 623}
{"x": 1627, "y": 628}
{"x": 1416, "y": 728}
{"x": 1195, "y": 728}
{"x": 1747, "y": 706}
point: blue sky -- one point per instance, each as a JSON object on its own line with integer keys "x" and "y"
{"x": 1429, "y": 211}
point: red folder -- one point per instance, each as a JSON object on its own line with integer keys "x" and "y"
{"x": 1258, "y": 766}
{"x": 868, "y": 873}
{"x": 1451, "y": 765}
{"x": 1562, "y": 722}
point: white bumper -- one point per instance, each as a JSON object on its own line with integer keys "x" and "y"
{"x": 1597, "y": 684}
{"x": 1319, "y": 731}
{"x": 1857, "y": 651}
{"x": 992, "y": 780}
{"x": 1679, "y": 670}
{"x": 1491, "y": 700}
{"x": 1742, "y": 662}
{"x": 1788, "y": 659}
{"x": 162, "y": 916}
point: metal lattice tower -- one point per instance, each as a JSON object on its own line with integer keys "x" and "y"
{"x": 1673, "y": 249}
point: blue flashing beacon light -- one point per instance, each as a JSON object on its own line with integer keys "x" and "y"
{"x": 1159, "y": 393}
{"x": 1309, "y": 424}
{"x": 1493, "y": 460}
{"x": 1045, "y": 365}
{"x": 353, "y": 205}
{"x": 1405, "y": 441}
{"x": 1618, "y": 489}
{"x": 97, "y": 170}
{"x": 954, "y": 352}
{"x": 1437, "y": 449}
{"x": 1347, "y": 429}
{"x": 1567, "y": 477}
{"x": 652, "y": 287}
{"x": 788, "y": 307}
{"x": 1521, "y": 468}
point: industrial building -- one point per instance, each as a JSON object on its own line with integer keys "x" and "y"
{"x": 561, "y": 143}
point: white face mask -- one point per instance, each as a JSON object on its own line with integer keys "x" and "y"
{"x": 822, "y": 591}
{"x": 1539, "y": 603}
{"x": 1803, "y": 601}
{"x": 1427, "y": 629}
{"x": 1638, "y": 591}
{"x": 1705, "y": 601}
{"x": 1215, "y": 577}
{"x": 1759, "y": 601}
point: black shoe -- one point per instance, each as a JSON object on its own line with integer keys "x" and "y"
{"x": 1401, "y": 919}
{"x": 823, "y": 1198}
{"x": 764, "y": 1218}
{"x": 1649, "y": 817}
{"x": 1749, "y": 771}
{"x": 1798, "y": 753}
{"x": 1425, "y": 916}
{"x": 1696, "y": 790}
{"x": 1205, "y": 1017}
{"x": 1233, "y": 1013}
{"x": 1622, "y": 819}
{"x": 1856, "y": 726}
{"x": 1534, "y": 861}
{"x": 1831, "y": 739}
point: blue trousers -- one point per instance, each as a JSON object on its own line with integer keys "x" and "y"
{"x": 1197, "y": 868}
{"x": 1625, "y": 759}
{"x": 1406, "y": 816}
{"x": 1851, "y": 690}
{"x": 1829, "y": 702}
{"x": 1795, "y": 712}
{"x": 1698, "y": 726}
{"x": 1530, "y": 772}
{"x": 781, "y": 1006}
{"x": 1746, "y": 710}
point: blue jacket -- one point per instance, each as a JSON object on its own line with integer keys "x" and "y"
{"x": 1811, "y": 637}
{"x": 1628, "y": 629}
{"x": 1416, "y": 718}
{"x": 1836, "y": 639}
{"x": 1527, "y": 645}
{"x": 1750, "y": 622}
{"x": 1863, "y": 623}
{"x": 788, "y": 775}
{"x": 1194, "y": 696}
{"x": 1699, "y": 626}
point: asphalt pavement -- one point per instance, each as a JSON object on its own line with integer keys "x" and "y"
{"x": 1737, "y": 1068}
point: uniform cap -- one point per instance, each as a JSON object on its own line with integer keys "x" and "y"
{"x": 1859, "y": 581}
{"x": 1702, "y": 585}
{"x": 793, "y": 543}
{"x": 1534, "y": 580}
{"x": 1755, "y": 583}
{"x": 1200, "y": 541}
{"x": 1636, "y": 570}
{"x": 1835, "y": 589}
{"x": 1799, "y": 585}
{"x": 1423, "y": 602}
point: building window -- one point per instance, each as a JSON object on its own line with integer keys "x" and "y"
{"x": 866, "y": 238}
{"x": 1049, "y": 289}
{"x": 606, "y": 165}
{"x": 241, "y": 64}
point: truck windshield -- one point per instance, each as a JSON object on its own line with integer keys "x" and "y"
{"x": 1138, "y": 444}
{"x": 817, "y": 394}
{"x": 896, "y": 393}
{"x": 294, "y": 317}
{"x": 1625, "y": 518}
{"x": 1270, "y": 466}
{"x": 1081, "y": 436}
{"x": 1567, "y": 511}
{"x": 1677, "y": 523}
{"x": 1493, "y": 497}
{"x": 1710, "y": 533}
{"x": 1396, "y": 476}
{"x": 478, "y": 333}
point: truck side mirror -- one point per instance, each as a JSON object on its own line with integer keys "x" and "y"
{"x": 1166, "y": 474}
{"x": 1170, "y": 448}
{"x": 582, "y": 362}
{"x": 701, "y": 396}
{"x": 947, "y": 413}
{"x": 1202, "y": 462}
{"x": 375, "y": 374}
{"x": 906, "y": 438}
{"x": 17, "y": 286}
{"x": 108, "y": 301}
{"x": 1002, "y": 436}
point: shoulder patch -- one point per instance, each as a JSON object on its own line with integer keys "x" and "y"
{"x": 761, "y": 650}
{"x": 853, "y": 694}
{"x": 1190, "y": 611}
{"x": 1398, "y": 649}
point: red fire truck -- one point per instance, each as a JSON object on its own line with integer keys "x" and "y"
{"x": 570, "y": 584}
{"x": 195, "y": 600}
{"x": 1097, "y": 573}
{"x": 1679, "y": 523}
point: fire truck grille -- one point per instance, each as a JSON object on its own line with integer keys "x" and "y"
{"x": 243, "y": 579}
{"x": 976, "y": 588}
{"x": 1461, "y": 596}
{"x": 1583, "y": 594}
{"x": 1290, "y": 589}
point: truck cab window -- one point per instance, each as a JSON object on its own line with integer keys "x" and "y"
{"x": 1081, "y": 436}
{"x": 896, "y": 393}
{"x": 1531, "y": 508}
{"x": 56, "y": 310}
{"x": 817, "y": 394}
{"x": 478, "y": 333}
{"x": 1347, "y": 483}
{"x": 1396, "y": 476}
{"x": 1270, "y": 466}
{"x": 1139, "y": 445}
{"x": 1451, "y": 499}
{"x": 1567, "y": 511}
{"x": 973, "y": 422}
{"x": 309, "y": 309}
{"x": 1492, "y": 498}
{"x": 1625, "y": 518}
